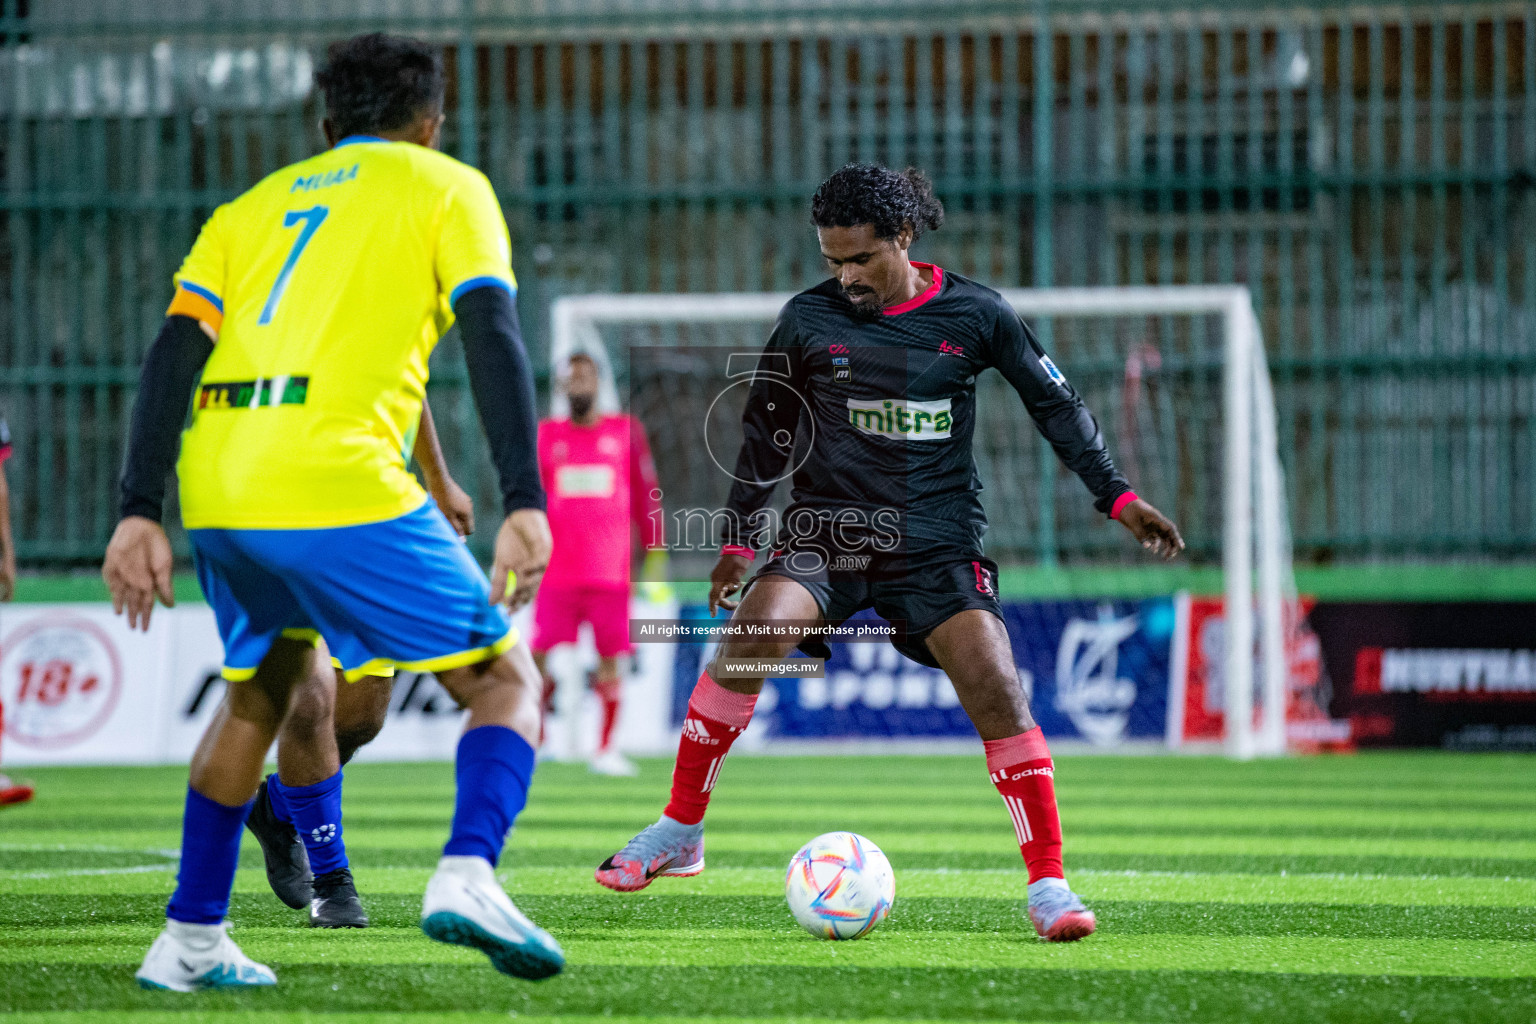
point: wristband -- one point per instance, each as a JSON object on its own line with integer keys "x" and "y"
{"x": 1120, "y": 503}
{"x": 738, "y": 549}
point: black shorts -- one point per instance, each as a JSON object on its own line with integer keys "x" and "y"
{"x": 916, "y": 590}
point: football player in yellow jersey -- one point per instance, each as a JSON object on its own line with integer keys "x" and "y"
{"x": 300, "y": 331}
{"x": 307, "y": 867}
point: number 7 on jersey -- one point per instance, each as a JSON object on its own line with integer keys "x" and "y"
{"x": 312, "y": 219}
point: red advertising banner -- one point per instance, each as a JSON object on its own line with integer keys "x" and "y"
{"x": 1199, "y": 684}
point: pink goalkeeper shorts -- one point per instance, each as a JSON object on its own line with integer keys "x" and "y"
{"x": 558, "y": 613}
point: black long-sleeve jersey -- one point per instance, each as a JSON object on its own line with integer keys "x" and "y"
{"x": 874, "y": 419}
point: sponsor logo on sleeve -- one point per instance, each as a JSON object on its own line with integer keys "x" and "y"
{"x": 902, "y": 420}
{"x": 1051, "y": 371}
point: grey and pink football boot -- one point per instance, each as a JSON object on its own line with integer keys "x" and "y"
{"x": 667, "y": 848}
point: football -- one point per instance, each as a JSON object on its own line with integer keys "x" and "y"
{"x": 839, "y": 886}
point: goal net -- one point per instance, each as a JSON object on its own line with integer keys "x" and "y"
{"x": 1176, "y": 375}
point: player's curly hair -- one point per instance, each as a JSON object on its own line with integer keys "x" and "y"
{"x": 379, "y": 83}
{"x": 871, "y": 194}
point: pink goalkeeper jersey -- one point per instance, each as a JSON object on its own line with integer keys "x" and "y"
{"x": 599, "y": 481}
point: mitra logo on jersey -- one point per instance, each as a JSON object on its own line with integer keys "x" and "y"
{"x": 902, "y": 420}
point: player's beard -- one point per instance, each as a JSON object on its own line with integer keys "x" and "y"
{"x": 868, "y": 310}
{"x": 581, "y": 405}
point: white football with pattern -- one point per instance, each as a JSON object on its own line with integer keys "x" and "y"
{"x": 839, "y": 886}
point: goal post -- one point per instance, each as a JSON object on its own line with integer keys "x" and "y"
{"x": 1255, "y": 540}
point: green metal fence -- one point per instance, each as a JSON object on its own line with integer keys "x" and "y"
{"x": 1367, "y": 171}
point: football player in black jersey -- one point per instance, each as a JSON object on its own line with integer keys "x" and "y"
{"x": 866, "y": 397}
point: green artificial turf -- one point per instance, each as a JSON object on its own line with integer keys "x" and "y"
{"x": 1371, "y": 888}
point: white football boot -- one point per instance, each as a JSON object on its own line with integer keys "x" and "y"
{"x": 612, "y": 763}
{"x": 188, "y": 957}
{"x": 465, "y": 906}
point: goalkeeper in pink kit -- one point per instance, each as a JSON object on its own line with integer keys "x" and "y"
{"x": 601, "y": 485}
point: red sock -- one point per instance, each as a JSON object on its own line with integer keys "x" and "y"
{"x": 607, "y": 691}
{"x": 716, "y": 716}
{"x": 1022, "y": 772}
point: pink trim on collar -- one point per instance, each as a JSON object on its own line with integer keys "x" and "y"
{"x": 928, "y": 293}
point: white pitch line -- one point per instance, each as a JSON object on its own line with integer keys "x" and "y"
{"x": 137, "y": 870}
{"x": 1134, "y": 873}
{"x": 87, "y": 848}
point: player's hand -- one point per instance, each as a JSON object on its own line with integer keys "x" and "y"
{"x": 724, "y": 580}
{"x": 137, "y": 569}
{"x": 1155, "y": 530}
{"x": 523, "y": 545}
{"x": 456, "y": 505}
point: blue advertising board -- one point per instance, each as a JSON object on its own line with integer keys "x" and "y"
{"x": 1095, "y": 670}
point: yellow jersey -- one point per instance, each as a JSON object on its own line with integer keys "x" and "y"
{"x": 326, "y": 287}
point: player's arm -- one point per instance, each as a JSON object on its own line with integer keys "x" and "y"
{"x": 7, "y": 543}
{"x": 474, "y": 273}
{"x": 138, "y": 561}
{"x": 646, "y": 512}
{"x": 450, "y": 497}
{"x": 501, "y": 378}
{"x": 768, "y": 426}
{"x": 1061, "y": 416}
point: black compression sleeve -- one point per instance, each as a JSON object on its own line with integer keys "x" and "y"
{"x": 502, "y": 380}
{"x": 1056, "y": 408}
{"x": 170, "y": 372}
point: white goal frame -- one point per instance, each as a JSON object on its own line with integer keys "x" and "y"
{"x": 1253, "y": 505}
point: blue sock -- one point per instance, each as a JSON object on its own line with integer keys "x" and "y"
{"x": 493, "y": 769}
{"x": 275, "y": 798}
{"x": 316, "y": 812}
{"x": 210, "y": 849}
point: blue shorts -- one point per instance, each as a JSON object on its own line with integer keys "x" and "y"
{"x": 401, "y": 592}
